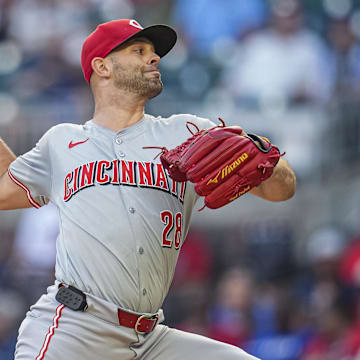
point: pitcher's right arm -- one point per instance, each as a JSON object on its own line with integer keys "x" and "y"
{"x": 12, "y": 196}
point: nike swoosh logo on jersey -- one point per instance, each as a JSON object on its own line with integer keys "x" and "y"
{"x": 71, "y": 144}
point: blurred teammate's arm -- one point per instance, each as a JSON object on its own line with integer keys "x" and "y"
{"x": 280, "y": 185}
{"x": 12, "y": 196}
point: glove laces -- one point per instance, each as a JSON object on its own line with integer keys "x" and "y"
{"x": 181, "y": 147}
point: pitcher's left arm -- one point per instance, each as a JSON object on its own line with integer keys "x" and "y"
{"x": 280, "y": 186}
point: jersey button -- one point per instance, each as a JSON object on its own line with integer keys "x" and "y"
{"x": 141, "y": 250}
{"x": 144, "y": 291}
{"x": 118, "y": 141}
{"x": 132, "y": 210}
{"x": 121, "y": 154}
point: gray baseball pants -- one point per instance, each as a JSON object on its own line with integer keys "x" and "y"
{"x": 52, "y": 331}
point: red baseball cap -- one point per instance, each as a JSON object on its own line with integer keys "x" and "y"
{"x": 109, "y": 35}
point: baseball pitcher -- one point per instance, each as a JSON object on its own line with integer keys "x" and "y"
{"x": 125, "y": 184}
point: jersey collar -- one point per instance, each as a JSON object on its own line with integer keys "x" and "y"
{"x": 133, "y": 129}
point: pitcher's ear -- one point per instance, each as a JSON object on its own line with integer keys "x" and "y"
{"x": 101, "y": 67}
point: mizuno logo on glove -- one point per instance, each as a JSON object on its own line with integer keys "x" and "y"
{"x": 228, "y": 169}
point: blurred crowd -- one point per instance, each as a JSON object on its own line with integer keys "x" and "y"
{"x": 282, "y": 288}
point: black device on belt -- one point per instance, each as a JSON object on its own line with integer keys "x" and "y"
{"x": 72, "y": 298}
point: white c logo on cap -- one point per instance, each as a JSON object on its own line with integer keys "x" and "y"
{"x": 134, "y": 23}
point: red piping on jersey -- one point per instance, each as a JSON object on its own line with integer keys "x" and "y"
{"x": 28, "y": 193}
{"x": 51, "y": 332}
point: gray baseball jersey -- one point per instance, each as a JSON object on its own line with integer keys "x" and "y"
{"x": 122, "y": 218}
{"x": 123, "y": 221}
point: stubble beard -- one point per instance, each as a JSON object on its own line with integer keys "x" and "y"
{"x": 134, "y": 81}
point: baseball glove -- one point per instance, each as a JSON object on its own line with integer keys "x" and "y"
{"x": 222, "y": 161}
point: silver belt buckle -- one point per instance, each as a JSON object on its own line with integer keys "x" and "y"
{"x": 149, "y": 317}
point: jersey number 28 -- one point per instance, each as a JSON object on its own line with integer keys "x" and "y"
{"x": 170, "y": 221}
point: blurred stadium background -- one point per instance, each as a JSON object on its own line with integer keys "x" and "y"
{"x": 280, "y": 280}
